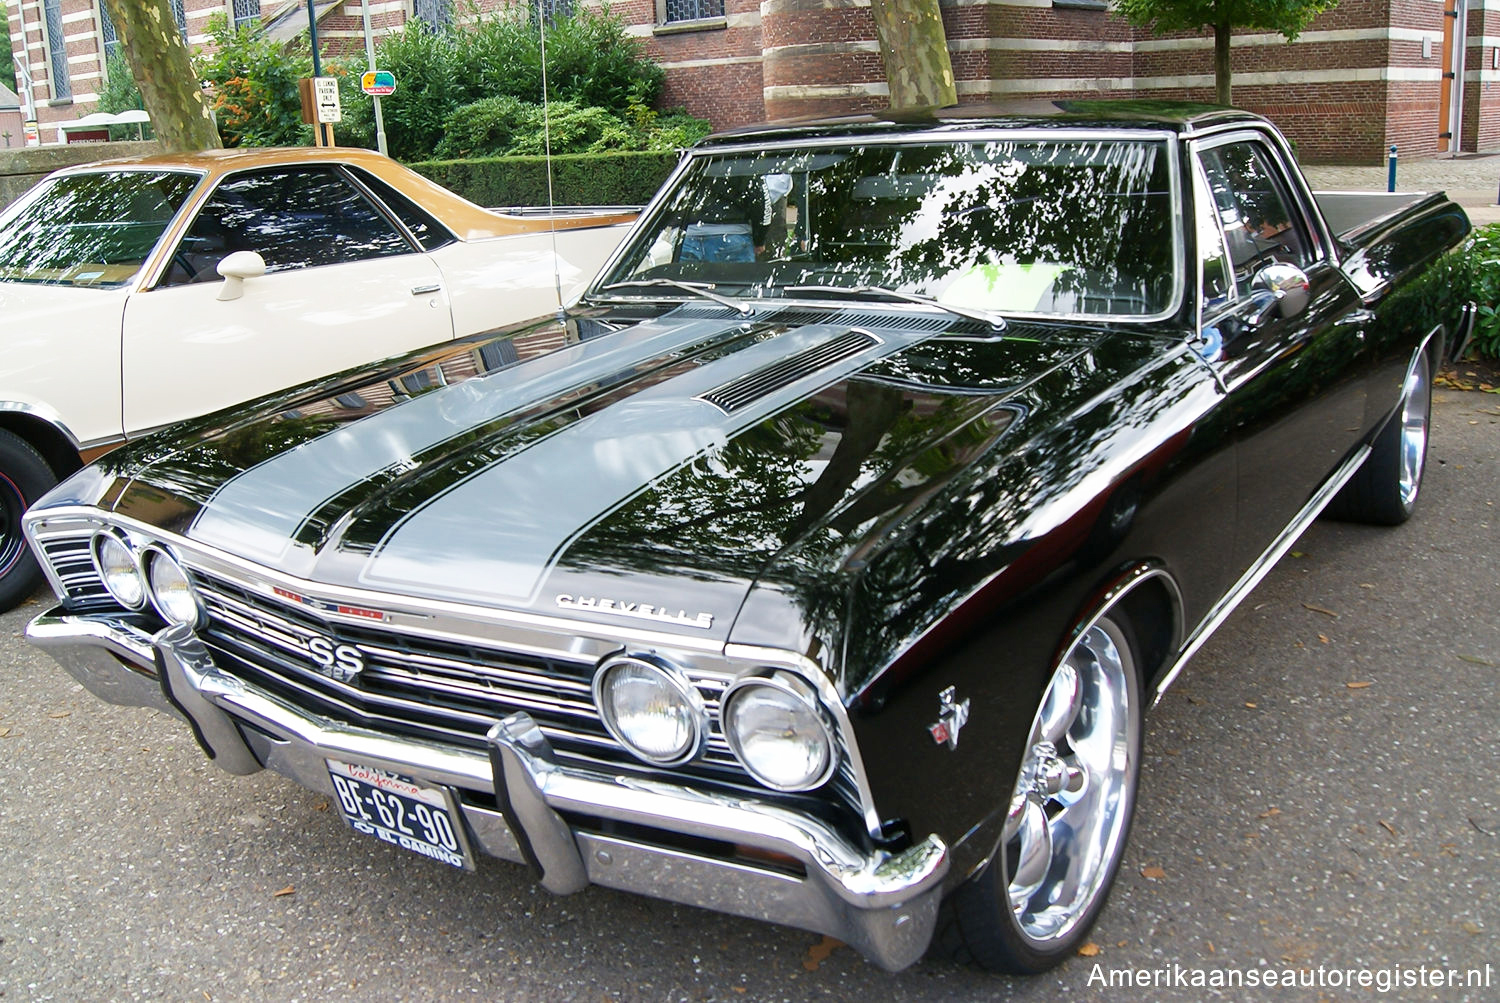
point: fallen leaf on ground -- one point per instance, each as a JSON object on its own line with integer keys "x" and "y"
{"x": 819, "y": 952}
{"x": 1388, "y": 827}
{"x": 1153, "y": 872}
{"x": 1251, "y": 705}
{"x": 1322, "y": 638}
{"x": 1475, "y": 660}
{"x": 1320, "y": 609}
{"x": 1089, "y": 950}
{"x": 320, "y": 805}
{"x": 4, "y": 732}
{"x": 1362, "y": 684}
{"x": 59, "y": 714}
{"x": 1270, "y": 813}
{"x": 288, "y": 890}
{"x": 1470, "y": 926}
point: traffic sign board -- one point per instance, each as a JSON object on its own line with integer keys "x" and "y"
{"x": 326, "y": 100}
{"x": 378, "y": 83}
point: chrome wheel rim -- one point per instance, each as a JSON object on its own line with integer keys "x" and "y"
{"x": 1071, "y": 805}
{"x": 1416, "y": 399}
{"x": 12, "y": 506}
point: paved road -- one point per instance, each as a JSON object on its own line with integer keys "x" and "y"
{"x": 1291, "y": 817}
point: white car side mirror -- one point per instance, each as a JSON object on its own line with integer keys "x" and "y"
{"x": 236, "y": 268}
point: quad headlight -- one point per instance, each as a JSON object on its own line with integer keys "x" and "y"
{"x": 119, "y": 569}
{"x": 779, "y": 731}
{"x": 171, "y": 591}
{"x": 651, "y": 709}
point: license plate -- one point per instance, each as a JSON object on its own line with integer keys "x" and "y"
{"x": 400, "y": 811}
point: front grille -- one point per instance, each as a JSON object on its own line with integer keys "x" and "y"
{"x": 442, "y": 690}
{"x": 70, "y": 554}
{"x": 439, "y": 690}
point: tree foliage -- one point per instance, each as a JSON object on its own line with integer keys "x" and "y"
{"x": 1288, "y": 17}
{"x": 254, "y": 79}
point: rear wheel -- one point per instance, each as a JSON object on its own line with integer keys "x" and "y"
{"x": 1384, "y": 489}
{"x": 24, "y": 477}
{"x": 1068, "y": 814}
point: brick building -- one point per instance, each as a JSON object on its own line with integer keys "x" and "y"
{"x": 1364, "y": 76}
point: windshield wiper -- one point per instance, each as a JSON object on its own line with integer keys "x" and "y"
{"x": 704, "y": 289}
{"x": 983, "y": 316}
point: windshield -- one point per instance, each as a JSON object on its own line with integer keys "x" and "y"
{"x": 89, "y": 229}
{"x": 1049, "y": 227}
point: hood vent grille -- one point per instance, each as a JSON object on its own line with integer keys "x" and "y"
{"x": 763, "y": 382}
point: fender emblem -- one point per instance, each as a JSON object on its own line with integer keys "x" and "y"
{"x": 952, "y": 717}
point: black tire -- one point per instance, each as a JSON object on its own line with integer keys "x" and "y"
{"x": 1383, "y": 492}
{"x": 24, "y": 477}
{"x": 999, "y": 919}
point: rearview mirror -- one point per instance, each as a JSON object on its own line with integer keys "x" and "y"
{"x": 236, "y": 268}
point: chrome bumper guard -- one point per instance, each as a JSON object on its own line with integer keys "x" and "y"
{"x": 882, "y": 904}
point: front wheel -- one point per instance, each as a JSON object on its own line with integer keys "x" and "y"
{"x": 1067, "y": 817}
{"x": 24, "y": 477}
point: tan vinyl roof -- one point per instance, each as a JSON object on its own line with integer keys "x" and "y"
{"x": 467, "y": 220}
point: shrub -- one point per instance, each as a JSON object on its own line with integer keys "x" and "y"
{"x": 256, "y": 102}
{"x": 1476, "y": 276}
{"x": 578, "y": 179}
{"x": 592, "y": 63}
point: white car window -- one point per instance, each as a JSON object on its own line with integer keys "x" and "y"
{"x": 291, "y": 217}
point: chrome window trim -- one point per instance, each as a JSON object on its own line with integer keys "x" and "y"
{"x": 1169, "y": 140}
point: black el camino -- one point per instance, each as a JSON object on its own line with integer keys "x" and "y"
{"x": 819, "y": 563}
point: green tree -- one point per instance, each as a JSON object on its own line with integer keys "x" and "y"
{"x": 163, "y": 70}
{"x": 255, "y": 84}
{"x": 1288, "y": 17}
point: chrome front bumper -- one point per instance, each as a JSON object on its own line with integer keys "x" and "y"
{"x": 882, "y": 904}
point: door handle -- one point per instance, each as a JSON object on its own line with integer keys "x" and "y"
{"x": 435, "y": 287}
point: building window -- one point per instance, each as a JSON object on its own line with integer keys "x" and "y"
{"x": 246, "y": 12}
{"x": 690, "y": 10}
{"x": 551, "y": 10}
{"x": 108, "y": 34}
{"x": 436, "y": 14}
{"x": 57, "y": 50}
{"x": 180, "y": 13}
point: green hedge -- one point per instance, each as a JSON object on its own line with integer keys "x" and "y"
{"x": 577, "y": 179}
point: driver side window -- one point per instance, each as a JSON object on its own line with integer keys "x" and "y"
{"x": 1253, "y": 211}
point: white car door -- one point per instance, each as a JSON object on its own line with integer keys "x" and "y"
{"x": 343, "y": 286}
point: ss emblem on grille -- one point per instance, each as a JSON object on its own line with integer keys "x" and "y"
{"x": 336, "y": 661}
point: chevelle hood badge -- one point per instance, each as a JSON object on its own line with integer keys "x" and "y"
{"x": 640, "y": 611}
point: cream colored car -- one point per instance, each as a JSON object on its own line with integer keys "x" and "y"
{"x": 135, "y": 293}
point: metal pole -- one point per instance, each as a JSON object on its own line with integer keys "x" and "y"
{"x": 370, "y": 56}
{"x": 312, "y": 38}
{"x": 1390, "y": 177}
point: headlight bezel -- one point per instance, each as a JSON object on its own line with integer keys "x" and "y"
{"x": 109, "y": 536}
{"x": 801, "y": 692}
{"x": 678, "y": 683}
{"x": 157, "y": 555}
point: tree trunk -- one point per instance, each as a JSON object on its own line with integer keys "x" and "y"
{"x": 1222, "y": 33}
{"x": 163, "y": 71}
{"x": 915, "y": 51}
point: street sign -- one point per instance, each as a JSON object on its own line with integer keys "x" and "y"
{"x": 378, "y": 83}
{"x": 326, "y": 100}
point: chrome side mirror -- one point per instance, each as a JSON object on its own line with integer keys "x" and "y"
{"x": 236, "y": 268}
{"x": 1279, "y": 288}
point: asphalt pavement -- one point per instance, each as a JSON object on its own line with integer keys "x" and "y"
{"x": 1319, "y": 796}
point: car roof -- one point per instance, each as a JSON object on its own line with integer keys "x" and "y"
{"x": 1154, "y": 116}
{"x": 465, "y": 219}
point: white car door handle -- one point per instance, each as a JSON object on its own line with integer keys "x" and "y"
{"x": 435, "y": 287}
